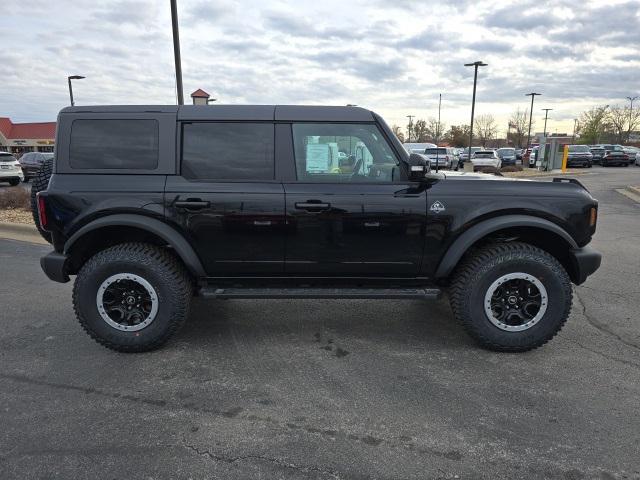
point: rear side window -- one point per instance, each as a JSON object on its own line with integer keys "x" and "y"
{"x": 114, "y": 144}
{"x": 228, "y": 151}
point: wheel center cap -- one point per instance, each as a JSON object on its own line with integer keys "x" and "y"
{"x": 512, "y": 300}
{"x": 131, "y": 300}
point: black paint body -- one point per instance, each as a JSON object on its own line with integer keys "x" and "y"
{"x": 270, "y": 231}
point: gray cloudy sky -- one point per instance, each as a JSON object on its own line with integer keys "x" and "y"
{"x": 391, "y": 56}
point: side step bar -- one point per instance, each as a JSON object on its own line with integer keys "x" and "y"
{"x": 372, "y": 293}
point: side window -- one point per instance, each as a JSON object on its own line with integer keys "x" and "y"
{"x": 112, "y": 144}
{"x": 227, "y": 151}
{"x": 340, "y": 152}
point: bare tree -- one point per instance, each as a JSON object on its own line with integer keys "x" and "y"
{"x": 622, "y": 122}
{"x": 518, "y": 126}
{"x": 397, "y": 131}
{"x": 486, "y": 128}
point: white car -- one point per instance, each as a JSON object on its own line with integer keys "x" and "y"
{"x": 485, "y": 158}
{"x": 10, "y": 170}
{"x": 418, "y": 147}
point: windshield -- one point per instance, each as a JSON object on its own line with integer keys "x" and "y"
{"x": 434, "y": 151}
{"x": 579, "y": 149}
{"x": 506, "y": 151}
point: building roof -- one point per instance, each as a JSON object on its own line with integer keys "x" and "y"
{"x": 200, "y": 94}
{"x": 12, "y": 130}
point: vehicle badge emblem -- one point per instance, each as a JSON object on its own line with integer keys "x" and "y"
{"x": 437, "y": 207}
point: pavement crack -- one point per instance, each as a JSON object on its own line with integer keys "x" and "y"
{"x": 276, "y": 461}
{"x": 601, "y": 327}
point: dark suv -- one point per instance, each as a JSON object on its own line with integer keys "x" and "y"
{"x": 149, "y": 206}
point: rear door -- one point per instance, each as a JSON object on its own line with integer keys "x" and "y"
{"x": 225, "y": 197}
{"x": 350, "y": 210}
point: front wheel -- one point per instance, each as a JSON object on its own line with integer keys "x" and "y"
{"x": 511, "y": 297}
{"x": 14, "y": 182}
{"x": 132, "y": 297}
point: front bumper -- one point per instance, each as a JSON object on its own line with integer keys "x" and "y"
{"x": 54, "y": 267}
{"x": 585, "y": 261}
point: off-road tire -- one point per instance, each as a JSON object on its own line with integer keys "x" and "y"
{"x": 481, "y": 268}
{"x": 39, "y": 183}
{"x": 166, "y": 274}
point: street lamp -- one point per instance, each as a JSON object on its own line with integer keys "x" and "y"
{"x": 410, "y": 117}
{"x": 211, "y": 100}
{"x": 69, "y": 78}
{"x": 546, "y": 114}
{"x": 176, "y": 51}
{"x": 532, "y": 95}
{"x": 473, "y": 101}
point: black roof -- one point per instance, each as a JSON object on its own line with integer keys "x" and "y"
{"x": 295, "y": 113}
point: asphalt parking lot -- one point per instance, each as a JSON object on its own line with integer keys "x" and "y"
{"x": 327, "y": 389}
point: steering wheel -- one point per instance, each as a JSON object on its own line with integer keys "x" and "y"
{"x": 357, "y": 167}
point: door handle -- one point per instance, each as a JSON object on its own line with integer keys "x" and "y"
{"x": 192, "y": 204}
{"x": 312, "y": 206}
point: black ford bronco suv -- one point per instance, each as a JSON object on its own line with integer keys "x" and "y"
{"x": 150, "y": 205}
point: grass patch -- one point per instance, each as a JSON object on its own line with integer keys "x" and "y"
{"x": 15, "y": 198}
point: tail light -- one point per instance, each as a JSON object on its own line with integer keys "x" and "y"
{"x": 42, "y": 211}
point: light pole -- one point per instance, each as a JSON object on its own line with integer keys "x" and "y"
{"x": 69, "y": 78}
{"x": 438, "y": 133}
{"x": 546, "y": 114}
{"x": 532, "y": 95}
{"x": 211, "y": 100}
{"x": 176, "y": 51}
{"x": 575, "y": 123}
{"x": 410, "y": 117}
{"x": 631, "y": 100}
{"x": 473, "y": 100}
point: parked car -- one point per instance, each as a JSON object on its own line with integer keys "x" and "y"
{"x": 485, "y": 158}
{"x": 638, "y": 159}
{"x": 579, "y": 156}
{"x": 507, "y": 155}
{"x": 530, "y": 156}
{"x": 31, "y": 161}
{"x": 10, "y": 170}
{"x": 598, "y": 152}
{"x": 418, "y": 147}
{"x": 519, "y": 152}
{"x": 617, "y": 158}
{"x": 464, "y": 156}
{"x": 145, "y": 229}
{"x": 631, "y": 151}
{"x": 443, "y": 157}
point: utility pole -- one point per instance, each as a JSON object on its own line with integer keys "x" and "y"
{"x": 438, "y": 134}
{"x": 575, "y": 123}
{"x": 410, "y": 117}
{"x": 176, "y": 51}
{"x": 473, "y": 100}
{"x": 631, "y": 99}
{"x": 532, "y": 95}
{"x": 546, "y": 114}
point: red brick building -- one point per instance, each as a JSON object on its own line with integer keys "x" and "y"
{"x": 27, "y": 137}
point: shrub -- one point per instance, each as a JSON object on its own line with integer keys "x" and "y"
{"x": 511, "y": 168}
{"x": 15, "y": 197}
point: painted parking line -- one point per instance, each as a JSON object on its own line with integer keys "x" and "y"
{"x": 632, "y": 193}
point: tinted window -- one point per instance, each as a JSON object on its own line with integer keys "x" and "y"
{"x": 434, "y": 151}
{"x": 579, "y": 148}
{"x": 227, "y": 151}
{"x": 109, "y": 144}
{"x": 7, "y": 158}
{"x": 343, "y": 153}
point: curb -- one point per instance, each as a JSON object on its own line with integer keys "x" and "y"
{"x": 21, "y": 232}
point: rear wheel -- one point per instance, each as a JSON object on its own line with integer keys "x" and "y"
{"x": 39, "y": 183}
{"x": 132, "y": 297}
{"x": 511, "y": 297}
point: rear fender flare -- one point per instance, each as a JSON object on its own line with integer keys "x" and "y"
{"x": 181, "y": 246}
{"x": 486, "y": 227}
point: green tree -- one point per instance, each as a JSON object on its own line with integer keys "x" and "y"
{"x": 458, "y": 135}
{"x": 593, "y": 125}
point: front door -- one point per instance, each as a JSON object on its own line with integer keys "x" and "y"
{"x": 226, "y": 200}
{"x": 351, "y": 211}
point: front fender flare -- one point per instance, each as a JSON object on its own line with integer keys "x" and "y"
{"x": 484, "y": 228}
{"x": 152, "y": 225}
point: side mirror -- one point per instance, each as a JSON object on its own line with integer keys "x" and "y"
{"x": 418, "y": 167}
